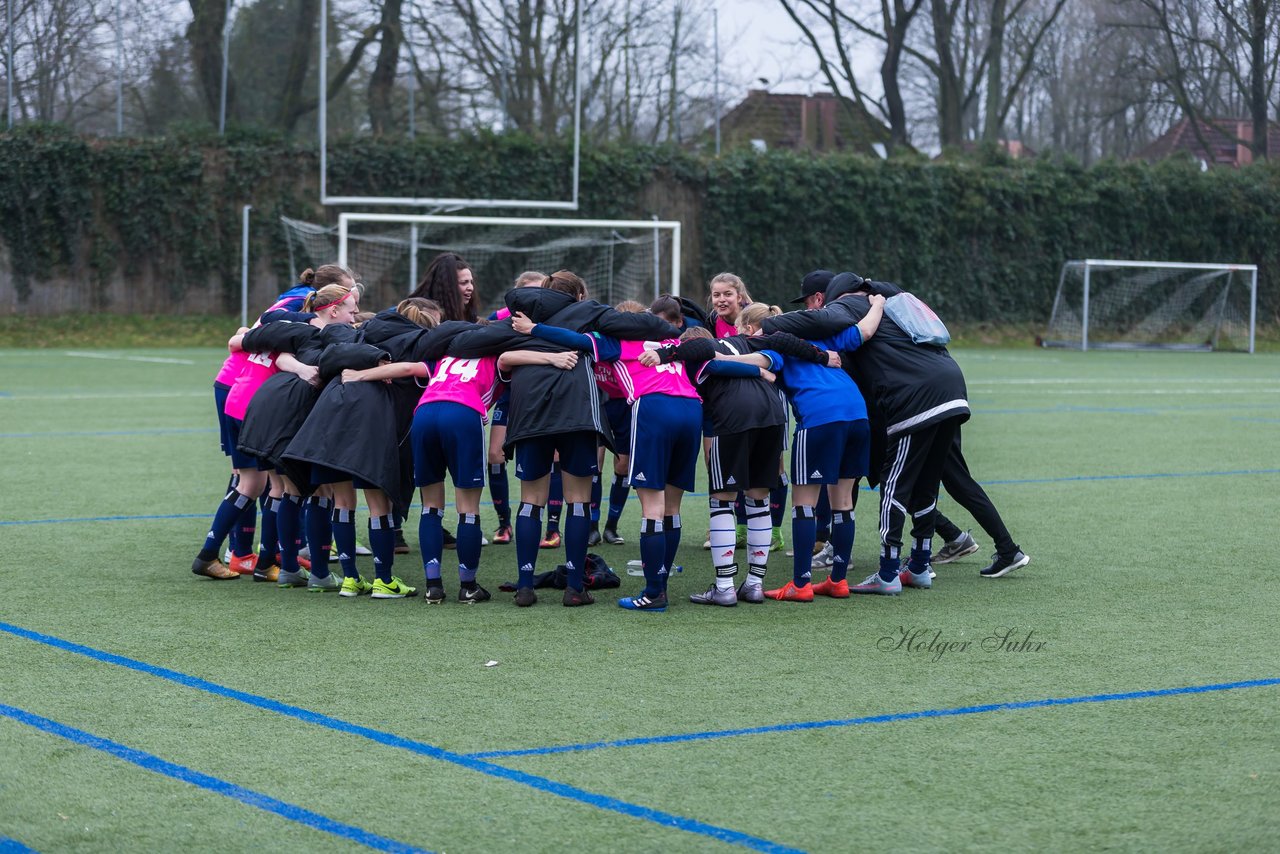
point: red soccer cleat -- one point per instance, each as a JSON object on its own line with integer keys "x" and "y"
{"x": 791, "y": 593}
{"x": 834, "y": 589}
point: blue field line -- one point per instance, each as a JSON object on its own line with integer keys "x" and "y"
{"x": 1083, "y": 478}
{"x": 873, "y": 719}
{"x": 696, "y": 494}
{"x": 543, "y": 784}
{"x": 148, "y": 762}
{"x": 159, "y": 431}
{"x": 13, "y": 846}
{"x": 108, "y": 519}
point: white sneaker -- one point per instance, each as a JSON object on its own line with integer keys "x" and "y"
{"x": 484, "y": 541}
{"x": 825, "y": 558}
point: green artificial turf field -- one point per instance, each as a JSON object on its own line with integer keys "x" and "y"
{"x": 145, "y": 709}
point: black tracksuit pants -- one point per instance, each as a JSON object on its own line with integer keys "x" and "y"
{"x": 909, "y": 482}
{"x": 966, "y": 492}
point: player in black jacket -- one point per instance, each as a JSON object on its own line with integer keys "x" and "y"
{"x": 919, "y": 394}
{"x": 554, "y": 410}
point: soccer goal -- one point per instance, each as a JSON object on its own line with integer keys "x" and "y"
{"x": 618, "y": 259}
{"x": 1128, "y": 305}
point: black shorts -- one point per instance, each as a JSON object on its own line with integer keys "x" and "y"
{"x": 746, "y": 460}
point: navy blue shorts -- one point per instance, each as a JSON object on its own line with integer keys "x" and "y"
{"x": 829, "y": 452}
{"x": 577, "y": 454}
{"x": 320, "y": 475}
{"x": 220, "y": 393}
{"x": 239, "y": 459}
{"x": 498, "y": 418}
{"x": 448, "y": 436}
{"x": 666, "y": 441}
{"x": 618, "y": 411}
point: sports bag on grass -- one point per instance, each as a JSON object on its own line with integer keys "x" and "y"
{"x": 916, "y": 319}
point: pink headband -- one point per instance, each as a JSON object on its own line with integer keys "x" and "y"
{"x": 330, "y": 304}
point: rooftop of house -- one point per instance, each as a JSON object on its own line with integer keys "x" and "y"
{"x": 1224, "y": 139}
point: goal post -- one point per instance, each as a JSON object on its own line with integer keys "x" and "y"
{"x": 1114, "y": 304}
{"x": 619, "y": 259}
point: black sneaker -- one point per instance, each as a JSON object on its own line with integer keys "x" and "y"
{"x": 450, "y": 541}
{"x": 1002, "y": 565}
{"x": 593, "y": 539}
{"x": 574, "y": 598}
{"x": 435, "y": 594}
{"x": 526, "y": 597}
{"x": 611, "y": 537}
{"x": 472, "y": 595}
{"x": 402, "y": 547}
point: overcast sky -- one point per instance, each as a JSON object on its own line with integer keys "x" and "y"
{"x": 759, "y": 39}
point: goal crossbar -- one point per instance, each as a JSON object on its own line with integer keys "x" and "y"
{"x": 673, "y": 227}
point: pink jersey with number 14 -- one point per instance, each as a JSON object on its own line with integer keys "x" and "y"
{"x": 471, "y": 382}
{"x": 640, "y": 380}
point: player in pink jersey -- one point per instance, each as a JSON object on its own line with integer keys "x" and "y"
{"x": 448, "y": 435}
{"x": 666, "y": 423}
{"x": 334, "y": 303}
{"x": 499, "y": 488}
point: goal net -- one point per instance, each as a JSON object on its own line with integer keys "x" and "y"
{"x": 618, "y": 259}
{"x": 1153, "y": 305}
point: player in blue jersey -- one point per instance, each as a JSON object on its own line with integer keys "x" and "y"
{"x": 831, "y": 446}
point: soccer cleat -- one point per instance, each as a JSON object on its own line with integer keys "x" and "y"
{"x": 328, "y": 584}
{"x": 355, "y": 586}
{"x": 594, "y": 538}
{"x": 361, "y": 550}
{"x": 526, "y": 597}
{"x": 550, "y": 541}
{"x": 875, "y": 584}
{"x": 470, "y": 596}
{"x": 956, "y": 549}
{"x": 271, "y": 574}
{"x": 402, "y": 547}
{"x": 824, "y": 558}
{"x": 777, "y": 543}
{"x": 918, "y": 580}
{"x": 293, "y": 579}
{"x": 435, "y": 594}
{"x": 611, "y": 536}
{"x": 302, "y": 561}
{"x": 214, "y": 569}
{"x": 834, "y": 589}
{"x": 644, "y": 603}
{"x": 305, "y": 552}
{"x": 750, "y": 593}
{"x": 715, "y": 596}
{"x": 1002, "y": 565}
{"x": 484, "y": 541}
{"x": 502, "y": 536}
{"x": 707, "y": 545}
{"x": 790, "y": 593}
{"x": 243, "y": 565}
{"x": 573, "y": 598}
{"x": 396, "y": 589}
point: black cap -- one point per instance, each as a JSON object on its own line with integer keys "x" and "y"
{"x": 814, "y": 283}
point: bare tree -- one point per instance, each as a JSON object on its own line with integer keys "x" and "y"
{"x": 829, "y": 29}
{"x": 1216, "y": 60}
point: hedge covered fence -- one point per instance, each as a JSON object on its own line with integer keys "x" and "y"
{"x": 984, "y": 239}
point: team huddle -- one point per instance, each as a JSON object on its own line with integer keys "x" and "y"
{"x": 319, "y": 400}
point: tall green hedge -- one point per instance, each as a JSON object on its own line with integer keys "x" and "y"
{"x": 983, "y": 238}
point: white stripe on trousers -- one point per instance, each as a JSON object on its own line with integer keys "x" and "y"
{"x": 889, "y": 486}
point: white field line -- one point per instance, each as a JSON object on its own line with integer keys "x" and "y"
{"x": 1120, "y": 380}
{"x": 136, "y": 395}
{"x": 158, "y": 359}
{"x": 1180, "y": 392}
